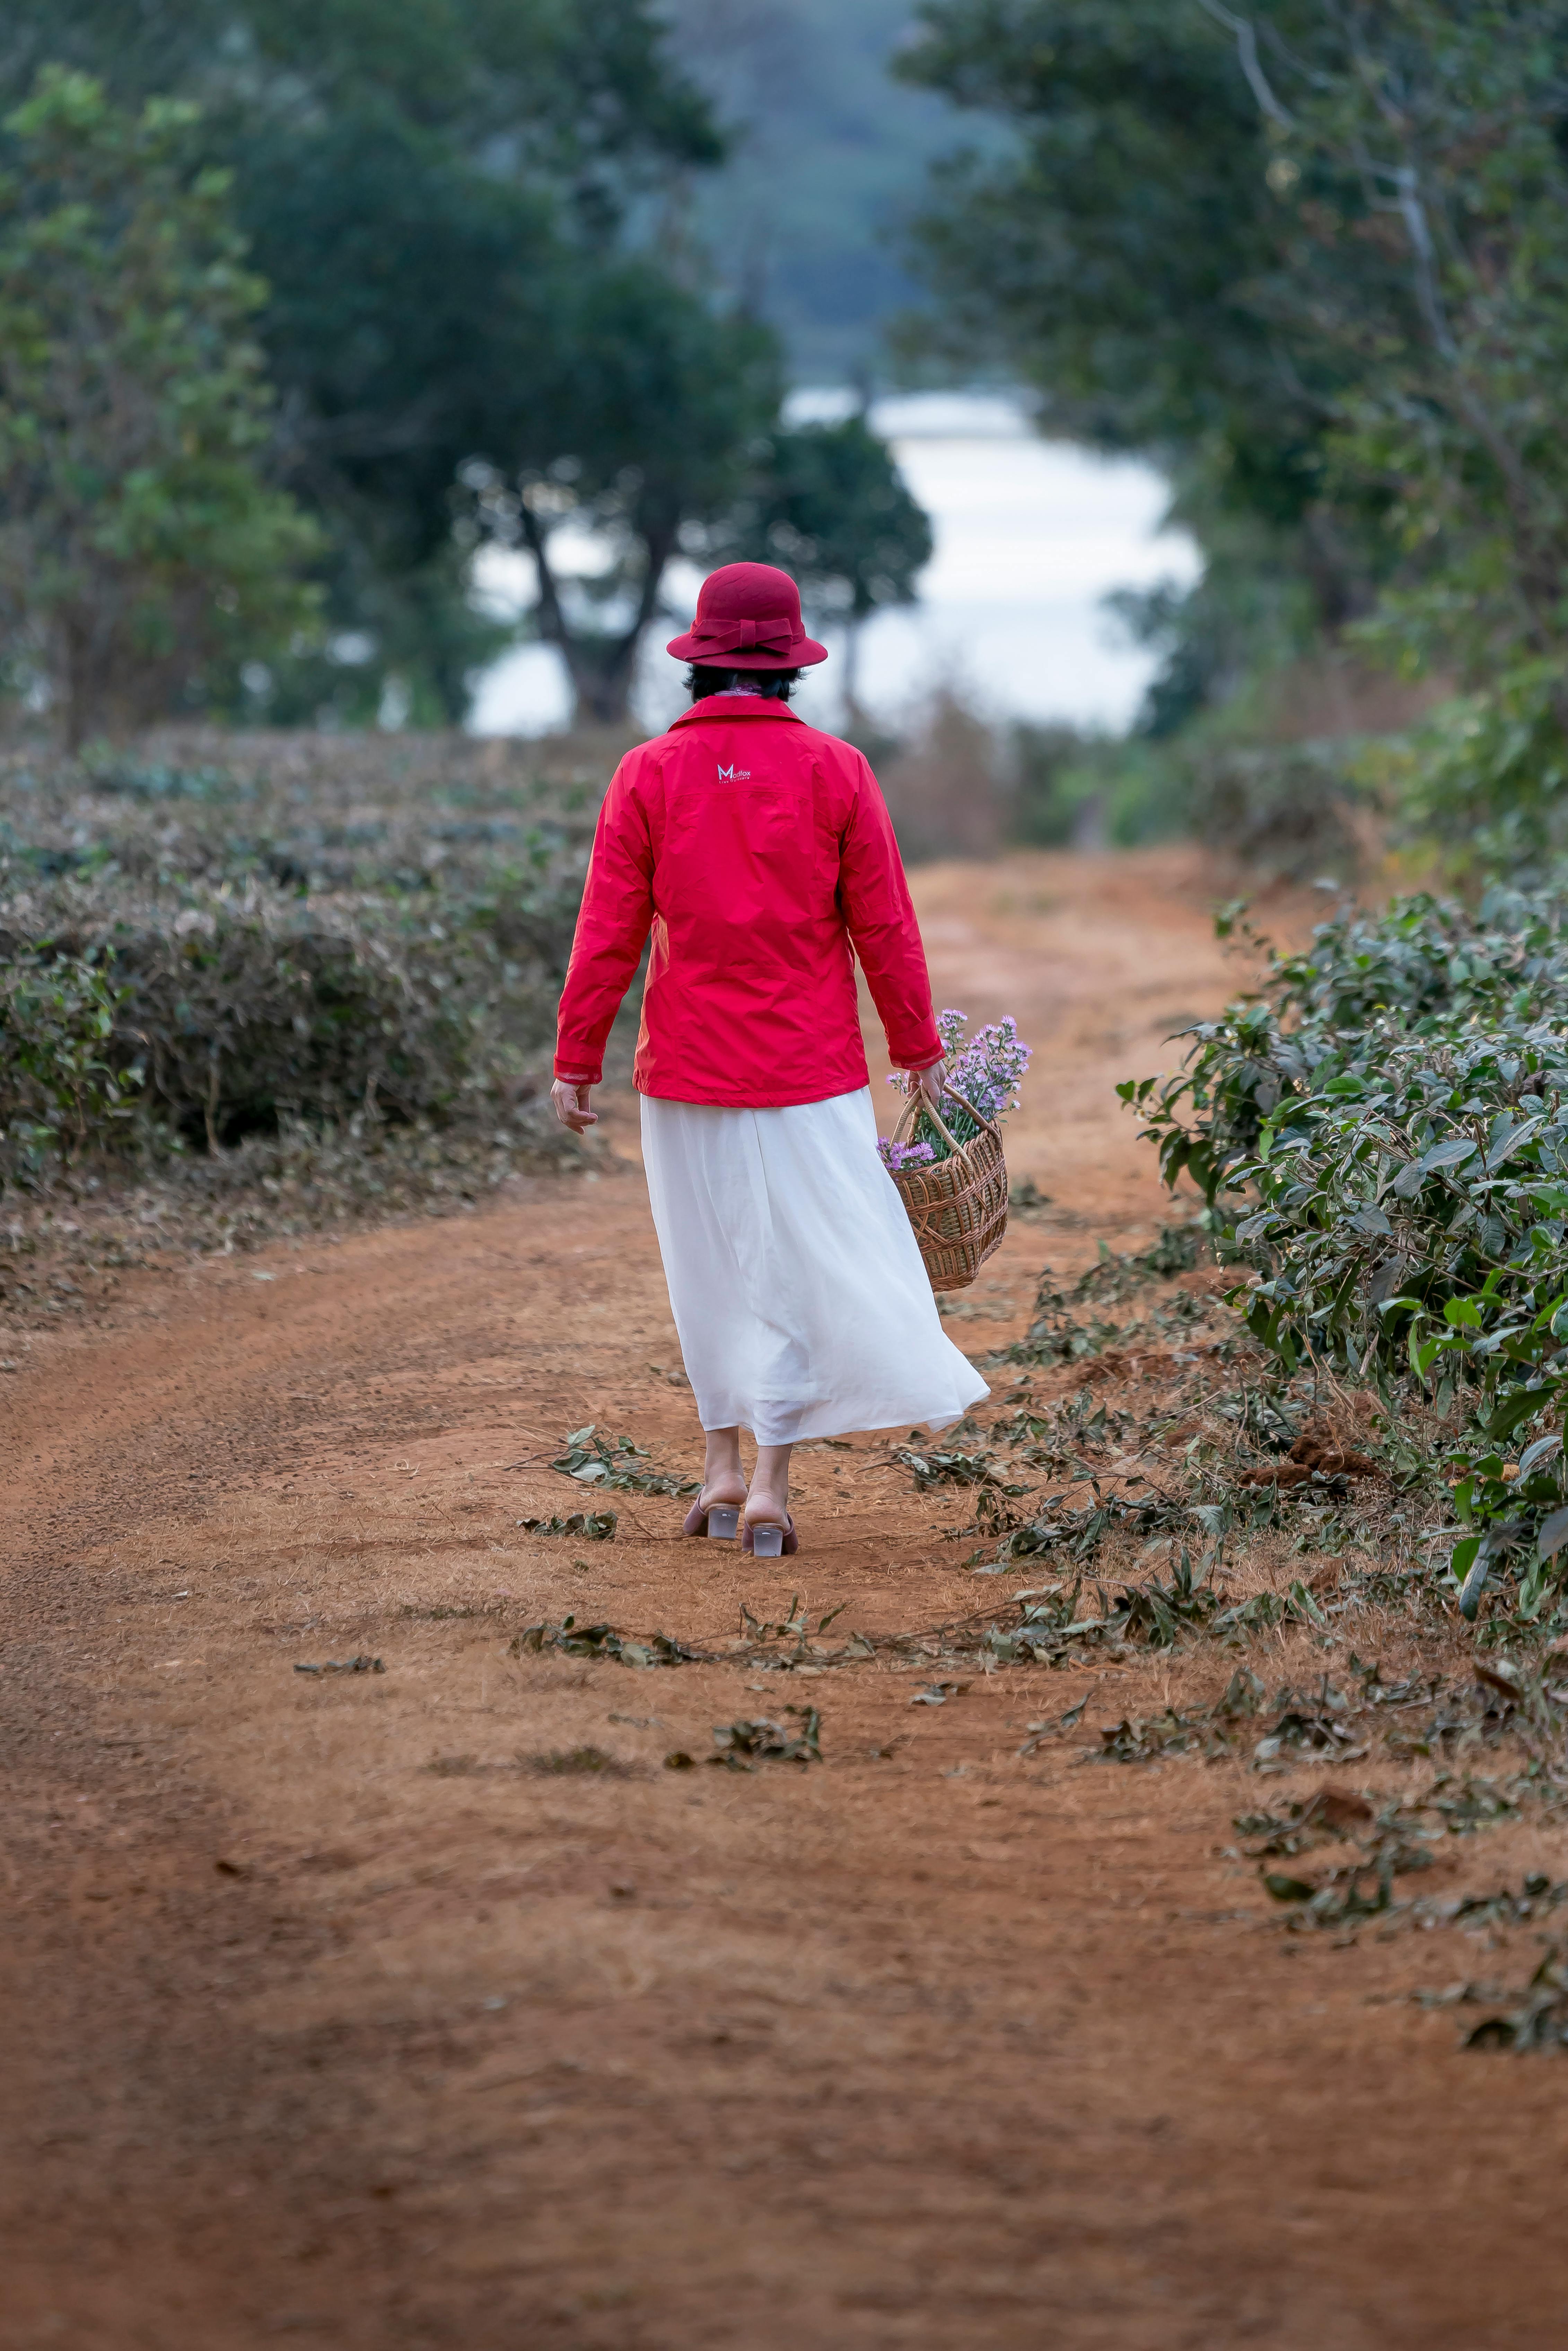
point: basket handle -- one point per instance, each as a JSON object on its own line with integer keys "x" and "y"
{"x": 915, "y": 1101}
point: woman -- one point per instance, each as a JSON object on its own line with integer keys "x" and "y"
{"x": 758, "y": 852}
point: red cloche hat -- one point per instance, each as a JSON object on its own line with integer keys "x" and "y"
{"x": 749, "y": 617}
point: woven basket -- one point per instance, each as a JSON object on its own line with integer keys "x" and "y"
{"x": 958, "y": 1207}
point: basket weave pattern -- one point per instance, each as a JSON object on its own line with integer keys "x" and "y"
{"x": 957, "y": 1206}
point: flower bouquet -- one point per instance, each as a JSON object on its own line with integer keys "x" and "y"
{"x": 947, "y": 1162}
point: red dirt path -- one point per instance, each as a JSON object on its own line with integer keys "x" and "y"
{"x": 934, "y": 2047}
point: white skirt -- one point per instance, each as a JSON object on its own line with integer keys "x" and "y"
{"x": 802, "y": 1304}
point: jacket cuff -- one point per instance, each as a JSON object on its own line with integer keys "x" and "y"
{"x": 919, "y": 1057}
{"x": 574, "y": 1072}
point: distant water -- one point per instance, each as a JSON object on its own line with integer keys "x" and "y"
{"x": 1030, "y": 535}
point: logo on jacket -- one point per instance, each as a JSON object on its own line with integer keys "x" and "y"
{"x": 734, "y": 775}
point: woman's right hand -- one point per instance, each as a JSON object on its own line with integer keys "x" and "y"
{"x": 571, "y": 1103}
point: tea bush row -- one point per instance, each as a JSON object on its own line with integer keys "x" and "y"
{"x": 1381, "y": 1133}
{"x": 191, "y": 958}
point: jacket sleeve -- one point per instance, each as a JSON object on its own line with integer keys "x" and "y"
{"x": 613, "y": 926}
{"x": 881, "y": 921}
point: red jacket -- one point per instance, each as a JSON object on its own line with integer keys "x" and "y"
{"x": 757, "y": 850}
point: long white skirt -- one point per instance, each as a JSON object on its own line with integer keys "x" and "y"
{"x": 797, "y": 1286}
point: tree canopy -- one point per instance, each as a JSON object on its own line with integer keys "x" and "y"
{"x": 581, "y": 92}
{"x": 139, "y": 542}
{"x": 441, "y": 197}
{"x": 645, "y": 431}
{"x": 828, "y": 505}
{"x": 1127, "y": 253}
{"x": 1310, "y": 258}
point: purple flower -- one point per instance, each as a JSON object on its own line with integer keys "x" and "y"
{"x": 899, "y": 1155}
{"x": 986, "y": 1068}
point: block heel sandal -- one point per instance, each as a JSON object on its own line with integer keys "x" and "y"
{"x": 767, "y": 1541}
{"x": 720, "y": 1521}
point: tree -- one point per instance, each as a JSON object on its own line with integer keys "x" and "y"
{"x": 416, "y": 339}
{"x": 1421, "y": 151}
{"x": 646, "y": 432}
{"x": 1123, "y": 253}
{"x": 1316, "y": 254}
{"x": 830, "y": 505}
{"x": 433, "y": 190}
{"x": 579, "y": 95}
{"x": 139, "y": 539}
{"x": 1416, "y": 151}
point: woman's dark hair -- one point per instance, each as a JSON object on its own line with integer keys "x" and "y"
{"x": 773, "y": 685}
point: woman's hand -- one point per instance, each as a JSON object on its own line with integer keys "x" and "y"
{"x": 571, "y": 1103}
{"x": 926, "y": 1083}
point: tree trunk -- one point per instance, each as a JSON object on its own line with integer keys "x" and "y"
{"x": 73, "y": 687}
{"x": 851, "y": 670}
{"x": 603, "y": 693}
{"x": 601, "y": 668}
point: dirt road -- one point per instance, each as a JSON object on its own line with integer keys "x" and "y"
{"x": 428, "y": 2006}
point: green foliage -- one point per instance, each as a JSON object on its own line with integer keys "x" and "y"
{"x": 595, "y": 1460}
{"x": 593, "y": 1525}
{"x": 1321, "y": 1014}
{"x": 451, "y": 204}
{"x": 830, "y": 505}
{"x": 741, "y": 1745}
{"x": 575, "y": 1640}
{"x": 1056, "y": 1334}
{"x": 1070, "y": 787}
{"x": 233, "y": 1016}
{"x": 1382, "y": 1133}
{"x": 139, "y": 541}
{"x": 62, "y": 1087}
{"x": 1430, "y": 137}
{"x": 1485, "y": 775}
{"x": 584, "y": 94}
{"x": 1291, "y": 810}
{"x": 1313, "y": 259}
{"x": 1124, "y": 252}
{"x": 642, "y": 428}
{"x": 1110, "y": 244}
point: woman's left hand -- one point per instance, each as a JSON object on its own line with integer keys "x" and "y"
{"x": 928, "y": 1083}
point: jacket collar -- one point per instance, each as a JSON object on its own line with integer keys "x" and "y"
{"x": 735, "y": 706}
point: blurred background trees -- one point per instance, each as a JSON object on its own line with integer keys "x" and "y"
{"x": 1309, "y": 259}
{"x": 540, "y": 275}
{"x": 643, "y": 429}
{"x": 140, "y": 545}
{"x": 482, "y": 314}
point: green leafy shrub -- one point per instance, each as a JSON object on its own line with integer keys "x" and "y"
{"x": 1483, "y": 777}
{"x": 62, "y": 1083}
{"x": 228, "y": 1015}
{"x": 1381, "y": 1133}
{"x": 1327, "y": 1013}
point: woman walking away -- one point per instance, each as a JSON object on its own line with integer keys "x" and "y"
{"x": 758, "y": 852}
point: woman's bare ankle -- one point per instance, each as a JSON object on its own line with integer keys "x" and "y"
{"x": 724, "y": 1478}
{"x": 768, "y": 1502}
